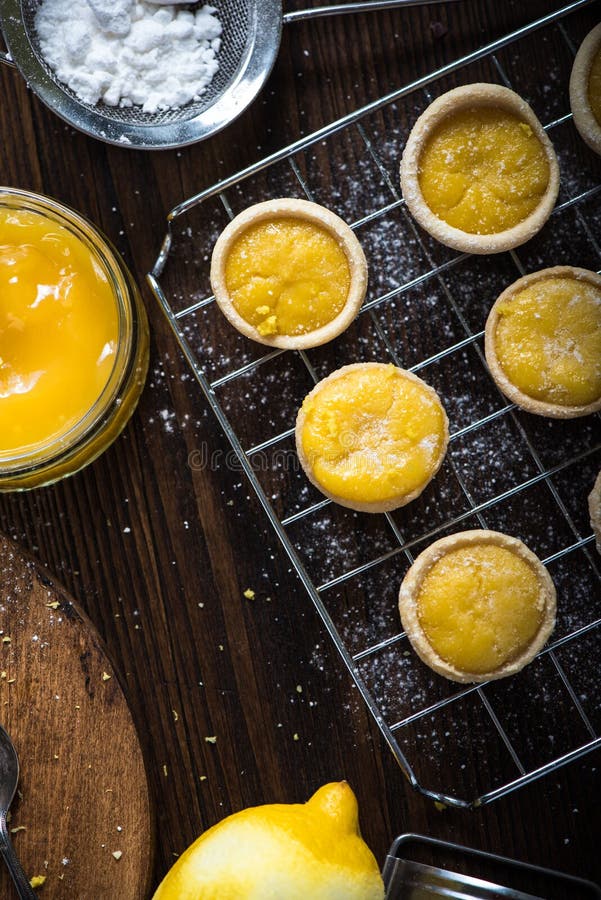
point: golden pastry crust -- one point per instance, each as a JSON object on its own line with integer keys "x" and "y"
{"x": 594, "y": 507}
{"x": 512, "y": 391}
{"x": 374, "y": 506}
{"x": 584, "y": 119}
{"x": 465, "y": 97}
{"x": 412, "y": 582}
{"x": 302, "y": 210}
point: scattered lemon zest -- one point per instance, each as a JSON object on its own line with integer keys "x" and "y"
{"x": 249, "y": 594}
{"x": 268, "y": 326}
{"x": 211, "y": 740}
{"x": 106, "y": 676}
{"x": 37, "y": 881}
{"x": 53, "y": 604}
{"x": 175, "y": 715}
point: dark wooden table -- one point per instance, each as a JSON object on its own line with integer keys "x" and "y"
{"x": 159, "y": 555}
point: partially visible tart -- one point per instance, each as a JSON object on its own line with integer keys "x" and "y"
{"x": 371, "y": 436}
{"x": 478, "y": 170}
{"x": 585, "y": 89}
{"x": 594, "y": 506}
{"x": 289, "y": 273}
{"x": 477, "y": 605}
{"x": 543, "y": 342}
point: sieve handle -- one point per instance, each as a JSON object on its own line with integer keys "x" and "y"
{"x": 357, "y": 7}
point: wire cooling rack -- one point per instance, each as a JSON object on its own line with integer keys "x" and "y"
{"x": 505, "y": 469}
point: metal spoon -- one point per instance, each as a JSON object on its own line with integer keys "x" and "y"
{"x": 9, "y": 778}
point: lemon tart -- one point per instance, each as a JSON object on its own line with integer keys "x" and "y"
{"x": 477, "y": 605}
{"x": 585, "y": 89}
{"x": 371, "y": 436}
{"x": 478, "y": 171}
{"x": 594, "y": 506}
{"x": 289, "y": 273}
{"x": 543, "y": 342}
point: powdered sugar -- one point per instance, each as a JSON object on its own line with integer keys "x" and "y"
{"x": 156, "y": 58}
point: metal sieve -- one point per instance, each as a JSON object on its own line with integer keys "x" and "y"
{"x": 251, "y": 38}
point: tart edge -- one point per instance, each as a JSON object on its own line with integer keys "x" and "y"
{"x": 594, "y": 506}
{"x": 584, "y": 119}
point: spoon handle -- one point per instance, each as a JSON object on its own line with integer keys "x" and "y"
{"x": 24, "y": 889}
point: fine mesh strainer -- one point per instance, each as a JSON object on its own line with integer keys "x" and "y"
{"x": 251, "y": 39}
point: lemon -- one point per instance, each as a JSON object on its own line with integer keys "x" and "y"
{"x": 298, "y": 851}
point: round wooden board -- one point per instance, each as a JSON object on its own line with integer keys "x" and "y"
{"x": 83, "y": 793}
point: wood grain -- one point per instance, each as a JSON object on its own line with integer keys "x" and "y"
{"x": 159, "y": 553}
{"x": 82, "y": 793}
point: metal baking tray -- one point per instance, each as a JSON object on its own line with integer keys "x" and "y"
{"x": 460, "y": 873}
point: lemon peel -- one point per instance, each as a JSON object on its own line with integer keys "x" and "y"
{"x": 283, "y": 851}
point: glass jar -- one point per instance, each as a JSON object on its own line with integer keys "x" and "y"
{"x": 65, "y": 452}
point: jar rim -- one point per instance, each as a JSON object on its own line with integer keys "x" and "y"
{"x": 40, "y": 455}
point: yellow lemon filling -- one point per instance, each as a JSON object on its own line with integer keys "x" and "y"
{"x": 594, "y": 86}
{"x": 483, "y": 170}
{"x": 287, "y": 276}
{"x": 373, "y": 434}
{"x": 480, "y": 607}
{"x": 59, "y": 330}
{"x": 548, "y": 341}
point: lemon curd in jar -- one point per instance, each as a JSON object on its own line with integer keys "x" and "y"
{"x": 73, "y": 342}
{"x": 548, "y": 340}
{"x": 483, "y": 170}
{"x": 287, "y": 276}
{"x": 480, "y": 607}
{"x": 58, "y": 330}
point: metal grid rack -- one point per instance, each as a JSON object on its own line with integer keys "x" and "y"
{"x": 505, "y": 469}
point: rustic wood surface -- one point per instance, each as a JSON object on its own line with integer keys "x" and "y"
{"x": 159, "y": 553}
{"x": 83, "y": 792}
